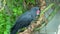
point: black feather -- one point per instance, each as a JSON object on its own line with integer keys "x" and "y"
{"x": 24, "y": 20}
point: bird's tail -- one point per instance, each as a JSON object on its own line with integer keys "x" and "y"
{"x": 15, "y": 28}
{"x": 14, "y": 31}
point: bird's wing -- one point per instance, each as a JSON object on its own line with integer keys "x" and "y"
{"x": 23, "y": 21}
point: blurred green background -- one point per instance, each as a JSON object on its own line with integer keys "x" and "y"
{"x": 8, "y": 15}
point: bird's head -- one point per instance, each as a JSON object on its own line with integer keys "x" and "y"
{"x": 35, "y": 10}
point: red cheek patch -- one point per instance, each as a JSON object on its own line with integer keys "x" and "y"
{"x": 38, "y": 12}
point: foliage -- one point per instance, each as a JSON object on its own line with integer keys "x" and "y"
{"x": 8, "y": 16}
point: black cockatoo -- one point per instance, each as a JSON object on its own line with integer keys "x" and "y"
{"x": 25, "y": 19}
